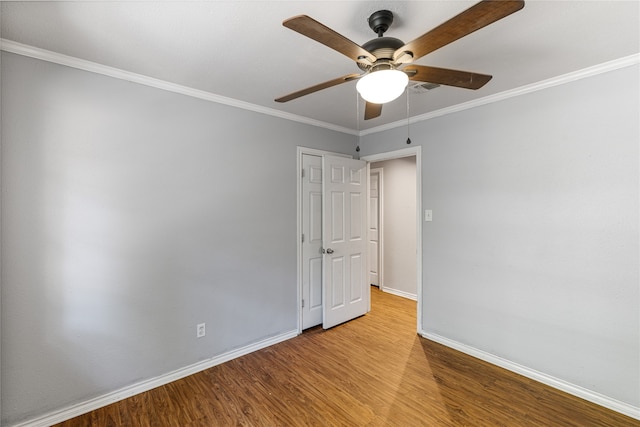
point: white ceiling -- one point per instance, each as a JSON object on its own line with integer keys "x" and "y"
{"x": 240, "y": 50}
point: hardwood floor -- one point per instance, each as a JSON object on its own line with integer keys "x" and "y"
{"x": 372, "y": 371}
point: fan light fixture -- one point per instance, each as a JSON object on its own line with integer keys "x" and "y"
{"x": 382, "y": 86}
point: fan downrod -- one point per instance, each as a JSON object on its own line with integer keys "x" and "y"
{"x": 380, "y": 21}
{"x": 381, "y": 47}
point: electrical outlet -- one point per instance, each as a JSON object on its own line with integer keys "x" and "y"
{"x": 200, "y": 330}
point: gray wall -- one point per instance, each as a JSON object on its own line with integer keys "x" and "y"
{"x": 399, "y": 228}
{"x": 129, "y": 215}
{"x": 533, "y": 253}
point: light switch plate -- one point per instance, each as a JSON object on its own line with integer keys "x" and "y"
{"x": 428, "y": 215}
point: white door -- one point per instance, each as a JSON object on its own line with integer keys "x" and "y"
{"x": 375, "y": 220}
{"x": 311, "y": 240}
{"x": 344, "y": 229}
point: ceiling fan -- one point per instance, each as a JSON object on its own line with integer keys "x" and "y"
{"x": 385, "y": 61}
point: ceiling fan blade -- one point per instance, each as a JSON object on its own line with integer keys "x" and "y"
{"x": 315, "y": 30}
{"x": 371, "y": 110}
{"x": 324, "y": 85}
{"x": 477, "y": 16}
{"x": 444, "y": 76}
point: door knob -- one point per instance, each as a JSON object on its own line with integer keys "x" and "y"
{"x": 329, "y": 250}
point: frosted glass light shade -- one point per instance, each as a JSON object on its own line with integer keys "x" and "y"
{"x": 382, "y": 86}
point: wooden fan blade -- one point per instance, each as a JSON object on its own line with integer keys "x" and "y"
{"x": 314, "y": 30}
{"x": 325, "y": 85}
{"x": 371, "y": 110}
{"x": 477, "y": 16}
{"x": 443, "y": 76}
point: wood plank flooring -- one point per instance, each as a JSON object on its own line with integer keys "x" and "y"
{"x": 372, "y": 371}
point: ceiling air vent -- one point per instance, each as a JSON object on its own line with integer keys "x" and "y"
{"x": 423, "y": 87}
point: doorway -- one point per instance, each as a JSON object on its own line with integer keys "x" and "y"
{"x": 372, "y": 160}
{"x": 392, "y": 226}
{"x": 408, "y": 152}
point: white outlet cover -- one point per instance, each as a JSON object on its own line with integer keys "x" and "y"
{"x": 200, "y": 330}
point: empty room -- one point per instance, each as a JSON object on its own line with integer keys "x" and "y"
{"x": 202, "y": 220}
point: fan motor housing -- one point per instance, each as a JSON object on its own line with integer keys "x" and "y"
{"x": 381, "y": 48}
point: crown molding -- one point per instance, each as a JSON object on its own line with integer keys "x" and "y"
{"x": 94, "y": 67}
{"x": 605, "y": 67}
{"x": 81, "y": 64}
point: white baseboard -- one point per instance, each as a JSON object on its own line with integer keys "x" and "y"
{"x": 396, "y": 292}
{"x": 109, "y": 398}
{"x": 567, "y": 387}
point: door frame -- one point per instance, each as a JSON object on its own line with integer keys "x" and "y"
{"x": 398, "y": 154}
{"x": 299, "y": 152}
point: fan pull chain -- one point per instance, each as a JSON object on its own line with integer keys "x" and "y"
{"x": 408, "y": 127}
{"x": 358, "y": 121}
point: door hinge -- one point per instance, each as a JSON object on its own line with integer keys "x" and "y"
{"x": 302, "y": 303}
{"x": 303, "y": 172}
{"x": 302, "y": 237}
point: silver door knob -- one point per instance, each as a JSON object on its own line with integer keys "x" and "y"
{"x": 329, "y": 251}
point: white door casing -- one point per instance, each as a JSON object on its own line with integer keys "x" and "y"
{"x": 375, "y": 222}
{"x": 344, "y": 228}
{"x": 311, "y": 240}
